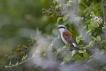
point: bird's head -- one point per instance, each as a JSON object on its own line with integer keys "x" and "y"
{"x": 62, "y": 28}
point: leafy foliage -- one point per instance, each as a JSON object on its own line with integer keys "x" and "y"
{"x": 91, "y": 15}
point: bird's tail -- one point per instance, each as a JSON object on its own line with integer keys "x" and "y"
{"x": 77, "y": 48}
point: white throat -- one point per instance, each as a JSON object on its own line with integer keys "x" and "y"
{"x": 61, "y": 33}
{"x": 61, "y": 30}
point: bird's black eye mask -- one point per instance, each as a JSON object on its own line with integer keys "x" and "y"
{"x": 61, "y": 27}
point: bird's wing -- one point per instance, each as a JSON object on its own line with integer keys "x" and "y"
{"x": 68, "y": 37}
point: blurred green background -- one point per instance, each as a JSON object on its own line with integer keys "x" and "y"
{"x": 18, "y": 14}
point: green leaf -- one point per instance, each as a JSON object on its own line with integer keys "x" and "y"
{"x": 59, "y": 19}
{"x": 93, "y": 23}
{"x": 98, "y": 38}
{"x": 57, "y": 7}
{"x": 90, "y": 27}
{"x": 74, "y": 52}
{"x": 78, "y": 57}
{"x": 85, "y": 54}
{"x": 81, "y": 51}
{"x": 24, "y": 57}
{"x": 78, "y": 39}
{"x": 64, "y": 18}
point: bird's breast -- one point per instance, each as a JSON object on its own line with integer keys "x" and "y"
{"x": 63, "y": 39}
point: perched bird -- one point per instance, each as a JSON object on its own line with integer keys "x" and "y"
{"x": 67, "y": 37}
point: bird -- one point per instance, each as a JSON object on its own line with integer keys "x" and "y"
{"x": 67, "y": 36}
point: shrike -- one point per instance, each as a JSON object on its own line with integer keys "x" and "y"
{"x": 67, "y": 37}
